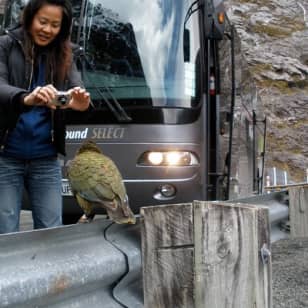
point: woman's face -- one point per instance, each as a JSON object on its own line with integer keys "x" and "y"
{"x": 46, "y": 24}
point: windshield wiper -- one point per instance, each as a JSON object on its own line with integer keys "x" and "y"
{"x": 113, "y": 104}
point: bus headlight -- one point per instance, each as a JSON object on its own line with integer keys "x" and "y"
{"x": 168, "y": 158}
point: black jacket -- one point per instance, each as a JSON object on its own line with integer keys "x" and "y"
{"x": 15, "y": 80}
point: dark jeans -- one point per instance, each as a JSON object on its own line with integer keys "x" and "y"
{"x": 42, "y": 180}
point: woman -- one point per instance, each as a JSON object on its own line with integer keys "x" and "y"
{"x": 36, "y": 61}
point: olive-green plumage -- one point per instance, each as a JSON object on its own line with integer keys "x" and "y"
{"x": 96, "y": 182}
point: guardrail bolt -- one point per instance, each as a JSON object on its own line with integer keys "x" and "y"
{"x": 265, "y": 254}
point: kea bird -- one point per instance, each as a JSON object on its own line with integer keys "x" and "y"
{"x": 97, "y": 183}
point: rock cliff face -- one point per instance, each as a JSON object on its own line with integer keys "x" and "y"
{"x": 274, "y": 42}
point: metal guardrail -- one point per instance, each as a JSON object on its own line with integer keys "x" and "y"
{"x": 89, "y": 265}
{"x": 276, "y": 177}
{"x": 127, "y": 238}
{"x": 71, "y": 266}
{"x": 278, "y": 204}
{"x": 285, "y": 186}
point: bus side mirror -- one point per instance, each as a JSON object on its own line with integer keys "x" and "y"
{"x": 186, "y": 45}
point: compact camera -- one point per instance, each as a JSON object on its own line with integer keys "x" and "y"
{"x": 62, "y": 98}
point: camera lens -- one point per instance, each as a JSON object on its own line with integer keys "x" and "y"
{"x": 62, "y": 99}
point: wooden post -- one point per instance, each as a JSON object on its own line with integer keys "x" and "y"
{"x": 167, "y": 256}
{"x": 206, "y": 254}
{"x": 228, "y": 264}
{"x": 298, "y": 211}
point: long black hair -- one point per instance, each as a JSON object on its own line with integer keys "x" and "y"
{"x": 59, "y": 54}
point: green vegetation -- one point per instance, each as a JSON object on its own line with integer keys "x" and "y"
{"x": 299, "y": 124}
{"x": 261, "y": 67}
{"x": 296, "y": 174}
{"x": 289, "y": 26}
{"x": 271, "y": 30}
{"x": 285, "y": 87}
{"x": 265, "y": 2}
{"x": 280, "y": 145}
{"x": 281, "y": 85}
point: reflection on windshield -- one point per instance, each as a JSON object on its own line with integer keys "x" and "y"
{"x": 135, "y": 48}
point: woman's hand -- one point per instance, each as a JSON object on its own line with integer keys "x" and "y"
{"x": 41, "y": 96}
{"x": 80, "y": 99}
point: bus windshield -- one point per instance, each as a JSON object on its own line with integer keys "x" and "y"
{"x": 133, "y": 50}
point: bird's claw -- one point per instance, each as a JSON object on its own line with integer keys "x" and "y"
{"x": 84, "y": 219}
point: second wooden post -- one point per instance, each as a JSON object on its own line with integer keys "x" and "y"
{"x": 206, "y": 254}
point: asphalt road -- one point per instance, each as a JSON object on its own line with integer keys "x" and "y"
{"x": 289, "y": 269}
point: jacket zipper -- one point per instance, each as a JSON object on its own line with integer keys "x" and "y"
{"x": 32, "y": 66}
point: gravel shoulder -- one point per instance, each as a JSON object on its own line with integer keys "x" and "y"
{"x": 290, "y": 273}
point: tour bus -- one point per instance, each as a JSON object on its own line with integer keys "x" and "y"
{"x": 172, "y": 102}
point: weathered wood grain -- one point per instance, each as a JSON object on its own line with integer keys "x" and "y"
{"x": 298, "y": 211}
{"x": 210, "y": 257}
{"x": 167, "y": 254}
{"x": 228, "y": 267}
